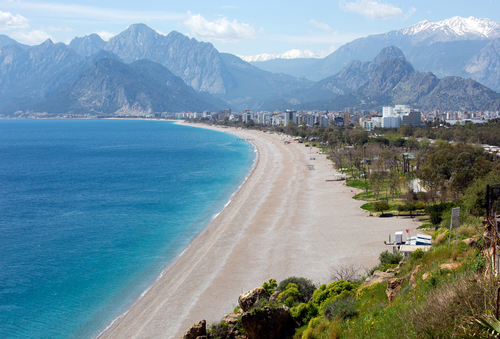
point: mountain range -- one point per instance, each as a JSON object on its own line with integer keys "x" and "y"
{"x": 464, "y": 47}
{"x": 140, "y": 71}
{"x": 390, "y": 79}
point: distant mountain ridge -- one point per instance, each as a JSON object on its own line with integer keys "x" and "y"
{"x": 445, "y": 48}
{"x": 291, "y": 54}
{"x": 388, "y": 80}
{"x": 30, "y": 76}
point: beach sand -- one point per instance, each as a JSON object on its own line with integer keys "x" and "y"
{"x": 286, "y": 220}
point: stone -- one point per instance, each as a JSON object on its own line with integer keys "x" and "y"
{"x": 393, "y": 287}
{"x": 269, "y": 323}
{"x": 248, "y": 299}
{"x": 413, "y": 277}
{"x": 195, "y": 331}
{"x": 231, "y": 318}
{"x": 425, "y": 276}
{"x": 470, "y": 241}
{"x": 274, "y": 297}
{"x": 450, "y": 267}
{"x": 378, "y": 276}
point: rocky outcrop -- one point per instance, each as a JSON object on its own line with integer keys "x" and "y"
{"x": 378, "y": 276}
{"x": 269, "y": 323}
{"x": 248, "y": 299}
{"x": 196, "y": 331}
{"x": 394, "y": 286}
{"x": 413, "y": 277}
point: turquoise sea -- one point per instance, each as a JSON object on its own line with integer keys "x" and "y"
{"x": 92, "y": 211}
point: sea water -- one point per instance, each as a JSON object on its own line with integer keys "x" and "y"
{"x": 92, "y": 211}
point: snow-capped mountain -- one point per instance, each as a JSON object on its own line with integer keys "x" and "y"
{"x": 456, "y": 28}
{"x": 292, "y": 54}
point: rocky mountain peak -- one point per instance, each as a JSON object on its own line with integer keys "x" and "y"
{"x": 88, "y": 45}
{"x": 391, "y": 52}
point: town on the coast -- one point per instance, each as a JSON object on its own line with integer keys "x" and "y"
{"x": 364, "y": 201}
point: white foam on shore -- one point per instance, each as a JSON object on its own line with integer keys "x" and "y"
{"x": 170, "y": 262}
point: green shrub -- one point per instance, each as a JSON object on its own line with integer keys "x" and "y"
{"x": 304, "y": 312}
{"x": 333, "y": 291}
{"x": 305, "y": 286}
{"x": 219, "y": 331}
{"x": 417, "y": 254}
{"x": 388, "y": 267}
{"x": 389, "y": 258}
{"x": 289, "y": 295}
{"x": 270, "y": 286}
{"x": 342, "y": 308}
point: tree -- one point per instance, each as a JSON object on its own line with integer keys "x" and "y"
{"x": 381, "y": 206}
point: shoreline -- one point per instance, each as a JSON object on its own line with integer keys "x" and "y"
{"x": 278, "y": 223}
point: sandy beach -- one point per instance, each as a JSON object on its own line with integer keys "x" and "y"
{"x": 286, "y": 220}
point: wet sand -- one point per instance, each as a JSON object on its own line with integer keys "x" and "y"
{"x": 286, "y": 220}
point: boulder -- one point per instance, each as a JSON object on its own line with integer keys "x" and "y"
{"x": 248, "y": 299}
{"x": 195, "y": 331}
{"x": 394, "y": 286}
{"x": 450, "y": 267}
{"x": 231, "y": 318}
{"x": 268, "y": 323}
{"x": 413, "y": 277}
{"x": 378, "y": 276}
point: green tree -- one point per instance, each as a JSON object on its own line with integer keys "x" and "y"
{"x": 381, "y": 206}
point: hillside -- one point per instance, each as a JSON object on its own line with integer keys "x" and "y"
{"x": 112, "y": 87}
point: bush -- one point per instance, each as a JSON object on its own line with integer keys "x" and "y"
{"x": 219, "y": 331}
{"x": 270, "y": 286}
{"x": 342, "y": 309}
{"x": 387, "y": 258}
{"x": 305, "y": 286}
{"x": 290, "y": 295}
{"x": 417, "y": 254}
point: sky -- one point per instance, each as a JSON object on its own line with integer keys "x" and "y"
{"x": 237, "y": 27}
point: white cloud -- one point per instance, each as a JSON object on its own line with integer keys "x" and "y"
{"x": 410, "y": 13}
{"x": 320, "y": 25}
{"x": 373, "y": 9}
{"x": 33, "y": 37}
{"x": 9, "y": 21}
{"x": 105, "y": 35}
{"x": 221, "y": 29}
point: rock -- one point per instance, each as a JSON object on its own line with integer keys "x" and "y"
{"x": 268, "y": 323}
{"x": 450, "y": 267}
{"x": 413, "y": 277}
{"x": 248, "y": 299}
{"x": 378, "y": 276}
{"x": 425, "y": 276}
{"x": 401, "y": 263}
{"x": 470, "y": 241}
{"x": 394, "y": 286}
{"x": 231, "y": 318}
{"x": 391, "y": 270}
{"x": 274, "y": 297}
{"x": 195, "y": 331}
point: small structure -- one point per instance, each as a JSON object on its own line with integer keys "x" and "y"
{"x": 399, "y": 238}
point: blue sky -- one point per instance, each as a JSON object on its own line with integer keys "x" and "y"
{"x": 238, "y": 27}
